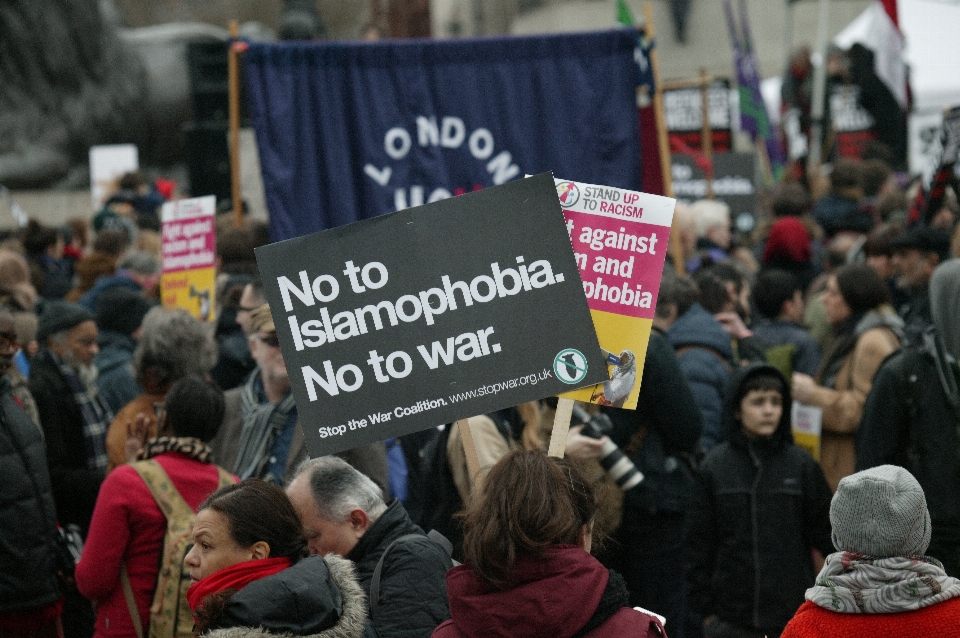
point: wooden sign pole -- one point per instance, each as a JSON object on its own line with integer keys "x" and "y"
{"x": 663, "y": 142}
{"x": 470, "y": 450}
{"x": 561, "y": 427}
{"x": 233, "y": 71}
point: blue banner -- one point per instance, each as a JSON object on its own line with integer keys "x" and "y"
{"x": 349, "y": 131}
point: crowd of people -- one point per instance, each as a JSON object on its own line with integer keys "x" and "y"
{"x": 171, "y": 449}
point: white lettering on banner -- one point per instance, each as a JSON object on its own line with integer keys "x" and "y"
{"x": 503, "y": 281}
{"x": 426, "y": 304}
{"x": 380, "y": 176}
{"x": 449, "y": 133}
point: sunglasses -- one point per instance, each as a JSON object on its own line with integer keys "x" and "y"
{"x": 271, "y": 340}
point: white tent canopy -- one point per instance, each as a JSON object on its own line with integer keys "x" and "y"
{"x": 933, "y": 51}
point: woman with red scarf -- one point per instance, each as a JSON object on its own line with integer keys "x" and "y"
{"x": 252, "y": 577}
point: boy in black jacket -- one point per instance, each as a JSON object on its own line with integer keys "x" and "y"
{"x": 760, "y": 505}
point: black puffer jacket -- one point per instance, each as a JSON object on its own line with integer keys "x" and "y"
{"x": 317, "y": 597}
{"x": 908, "y": 421}
{"x": 28, "y": 523}
{"x": 413, "y": 581}
{"x": 75, "y": 486}
{"x": 758, "y": 507}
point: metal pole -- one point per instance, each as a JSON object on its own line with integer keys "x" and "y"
{"x": 233, "y": 72}
{"x": 788, "y": 33}
{"x": 819, "y": 92}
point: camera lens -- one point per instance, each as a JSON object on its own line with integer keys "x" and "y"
{"x": 620, "y": 468}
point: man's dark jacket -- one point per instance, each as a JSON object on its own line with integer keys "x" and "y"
{"x": 75, "y": 486}
{"x": 413, "y": 580}
{"x": 670, "y": 423}
{"x": 28, "y": 525}
{"x": 911, "y": 424}
{"x": 759, "y": 506}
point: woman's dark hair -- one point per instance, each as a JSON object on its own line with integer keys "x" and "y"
{"x": 714, "y": 295}
{"x": 861, "y": 288}
{"x": 772, "y": 289}
{"x": 194, "y": 408}
{"x": 255, "y": 511}
{"x": 259, "y": 511}
{"x": 37, "y": 238}
{"x": 880, "y": 240}
{"x": 112, "y": 241}
{"x": 528, "y": 503}
{"x": 790, "y": 200}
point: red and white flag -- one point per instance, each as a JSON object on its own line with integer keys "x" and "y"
{"x": 877, "y": 30}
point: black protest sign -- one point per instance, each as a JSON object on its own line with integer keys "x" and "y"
{"x": 431, "y": 314}
{"x": 733, "y": 183}
{"x": 683, "y": 108}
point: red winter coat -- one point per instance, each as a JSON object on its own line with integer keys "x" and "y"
{"x": 937, "y": 621}
{"x": 556, "y": 598}
{"x": 128, "y": 526}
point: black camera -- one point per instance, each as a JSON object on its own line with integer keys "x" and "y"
{"x": 618, "y": 465}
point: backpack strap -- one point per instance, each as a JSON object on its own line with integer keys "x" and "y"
{"x": 170, "y": 502}
{"x": 162, "y": 489}
{"x": 131, "y": 603}
{"x": 433, "y": 535}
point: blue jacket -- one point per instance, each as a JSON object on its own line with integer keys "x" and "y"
{"x": 116, "y": 380}
{"x": 705, "y": 353}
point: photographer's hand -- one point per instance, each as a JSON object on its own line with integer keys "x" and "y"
{"x": 583, "y": 447}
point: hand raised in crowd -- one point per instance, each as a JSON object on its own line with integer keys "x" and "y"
{"x": 136, "y": 436}
{"x": 583, "y": 447}
{"x": 803, "y": 387}
{"x": 733, "y": 324}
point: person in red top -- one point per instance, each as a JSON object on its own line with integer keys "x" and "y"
{"x": 128, "y": 527}
{"x": 879, "y": 585}
{"x": 528, "y": 571}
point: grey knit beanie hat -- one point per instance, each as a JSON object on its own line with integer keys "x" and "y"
{"x": 880, "y": 512}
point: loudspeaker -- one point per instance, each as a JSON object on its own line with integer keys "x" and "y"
{"x": 208, "y": 66}
{"x": 208, "y": 159}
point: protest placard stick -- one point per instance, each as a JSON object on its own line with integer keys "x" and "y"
{"x": 658, "y": 108}
{"x": 470, "y": 450}
{"x": 233, "y": 73}
{"x": 561, "y": 426}
{"x": 663, "y": 142}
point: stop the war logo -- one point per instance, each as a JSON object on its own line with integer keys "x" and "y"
{"x": 453, "y": 135}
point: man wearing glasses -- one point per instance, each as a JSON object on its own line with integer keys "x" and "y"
{"x": 269, "y": 445}
{"x": 269, "y": 442}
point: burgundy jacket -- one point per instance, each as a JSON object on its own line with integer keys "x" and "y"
{"x": 555, "y": 597}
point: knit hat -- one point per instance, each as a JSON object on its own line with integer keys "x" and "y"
{"x": 58, "y": 316}
{"x": 788, "y": 238}
{"x": 926, "y": 239}
{"x": 121, "y": 310}
{"x": 261, "y": 320}
{"x": 881, "y": 513}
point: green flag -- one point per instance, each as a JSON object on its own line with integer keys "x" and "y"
{"x": 624, "y": 15}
